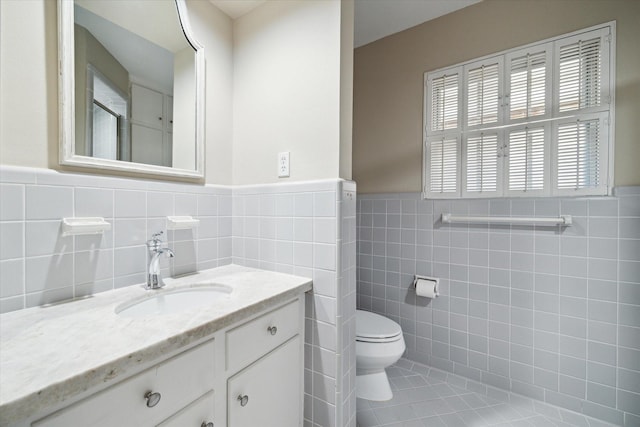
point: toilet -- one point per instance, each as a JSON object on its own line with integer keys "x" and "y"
{"x": 379, "y": 344}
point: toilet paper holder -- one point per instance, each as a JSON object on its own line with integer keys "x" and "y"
{"x": 433, "y": 281}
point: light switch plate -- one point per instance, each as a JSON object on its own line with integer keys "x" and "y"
{"x": 283, "y": 164}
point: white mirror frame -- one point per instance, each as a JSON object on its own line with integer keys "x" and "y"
{"x": 66, "y": 94}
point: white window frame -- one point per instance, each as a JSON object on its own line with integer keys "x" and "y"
{"x": 550, "y": 120}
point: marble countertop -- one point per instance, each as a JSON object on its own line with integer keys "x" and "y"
{"x": 50, "y": 354}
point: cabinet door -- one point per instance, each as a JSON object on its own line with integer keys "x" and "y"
{"x": 273, "y": 390}
{"x": 195, "y": 415}
{"x": 147, "y": 146}
{"x": 169, "y": 113}
{"x": 147, "y": 107}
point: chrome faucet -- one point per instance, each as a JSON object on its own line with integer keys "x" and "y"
{"x": 155, "y": 250}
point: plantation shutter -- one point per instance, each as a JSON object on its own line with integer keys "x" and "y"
{"x": 481, "y": 164}
{"x": 483, "y": 93}
{"x": 583, "y": 71}
{"x": 528, "y": 75}
{"x": 532, "y": 121}
{"x": 444, "y": 102}
{"x": 526, "y": 159}
{"x": 579, "y": 154}
{"x": 442, "y": 147}
{"x": 442, "y": 164}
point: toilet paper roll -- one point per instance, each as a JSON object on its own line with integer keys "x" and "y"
{"x": 426, "y": 288}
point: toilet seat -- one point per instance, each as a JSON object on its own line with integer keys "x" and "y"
{"x": 373, "y": 328}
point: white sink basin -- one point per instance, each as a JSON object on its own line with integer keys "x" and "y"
{"x": 176, "y": 301}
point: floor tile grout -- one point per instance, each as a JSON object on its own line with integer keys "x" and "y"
{"x": 426, "y": 397}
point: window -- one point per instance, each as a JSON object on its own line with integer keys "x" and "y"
{"x": 531, "y": 121}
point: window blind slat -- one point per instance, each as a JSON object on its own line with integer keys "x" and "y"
{"x": 528, "y": 86}
{"x": 443, "y": 165}
{"x": 578, "y": 154}
{"x": 526, "y": 159}
{"x": 580, "y": 77}
{"x": 482, "y": 163}
{"x": 444, "y": 103}
{"x": 482, "y": 95}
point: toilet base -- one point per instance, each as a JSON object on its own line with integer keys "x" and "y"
{"x": 373, "y": 386}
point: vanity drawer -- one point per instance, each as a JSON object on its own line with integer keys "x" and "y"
{"x": 179, "y": 381}
{"x": 196, "y": 414}
{"x": 252, "y": 340}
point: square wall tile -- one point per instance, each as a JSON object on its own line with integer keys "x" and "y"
{"x": 187, "y": 204}
{"x": 93, "y": 266}
{"x": 207, "y": 205}
{"x": 159, "y": 204}
{"x": 13, "y": 205}
{"x": 12, "y": 278}
{"x": 130, "y": 204}
{"x": 94, "y": 202}
{"x": 12, "y": 241}
{"x": 132, "y": 232}
{"x": 130, "y": 260}
{"x": 50, "y": 272}
{"x": 48, "y": 202}
{"x": 45, "y": 238}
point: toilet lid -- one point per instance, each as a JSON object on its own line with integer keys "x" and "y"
{"x": 373, "y": 326}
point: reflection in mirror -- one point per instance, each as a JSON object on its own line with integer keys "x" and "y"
{"x": 106, "y": 119}
{"x": 135, "y": 86}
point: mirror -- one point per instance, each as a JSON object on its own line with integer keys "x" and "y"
{"x": 131, "y": 87}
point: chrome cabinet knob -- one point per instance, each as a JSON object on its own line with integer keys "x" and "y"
{"x": 152, "y": 398}
{"x": 272, "y": 330}
{"x": 243, "y": 400}
{"x": 206, "y": 424}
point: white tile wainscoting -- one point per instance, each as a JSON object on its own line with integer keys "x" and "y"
{"x": 39, "y": 266}
{"x": 309, "y": 229}
{"x": 304, "y": 228}
{"x": 547, "y": 312}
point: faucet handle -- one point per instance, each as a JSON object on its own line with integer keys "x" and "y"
{"x": 155, "y": 240}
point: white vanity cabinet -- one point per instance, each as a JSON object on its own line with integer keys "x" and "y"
{"x": 178, "y": 383}
{"x": 247, "y": 374}
{"x": 265, "y": 366}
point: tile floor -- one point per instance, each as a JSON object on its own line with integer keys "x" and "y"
{"x": 426, "y": 397}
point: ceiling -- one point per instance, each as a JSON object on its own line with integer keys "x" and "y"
{"x": 236, "y": 8}
{"x": 374, "y": 19}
